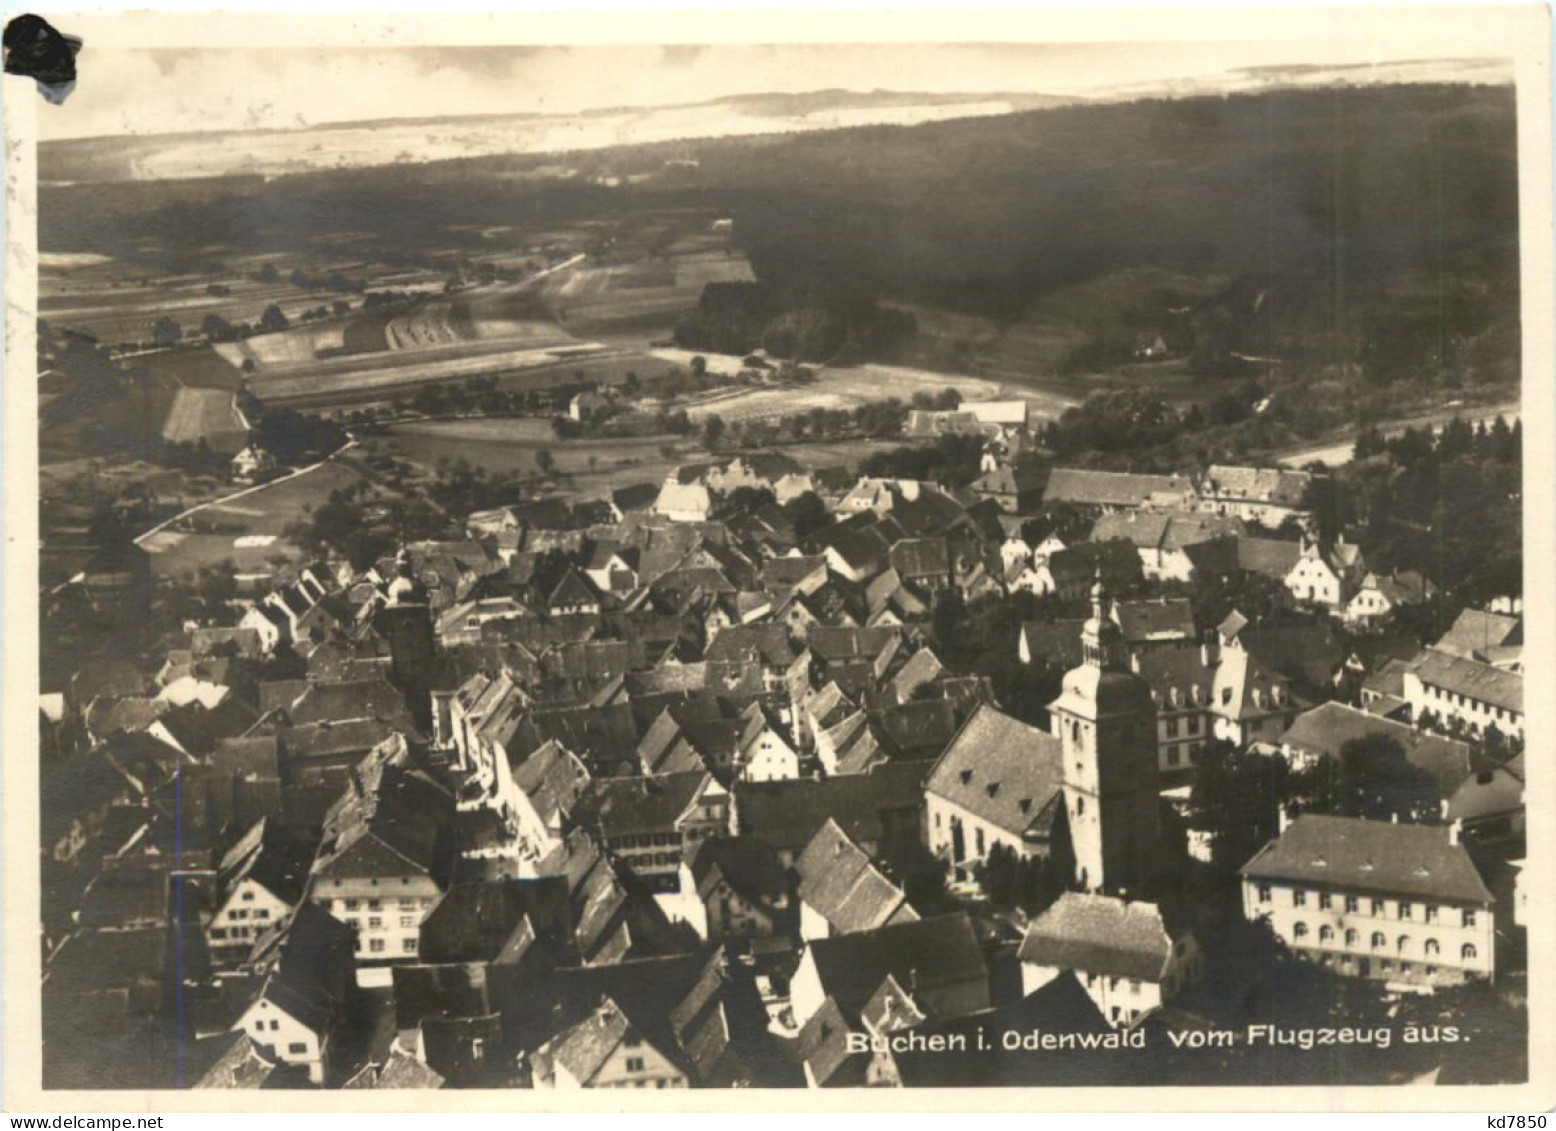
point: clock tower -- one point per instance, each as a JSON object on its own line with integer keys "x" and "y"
{"x": 1107, "y": 725}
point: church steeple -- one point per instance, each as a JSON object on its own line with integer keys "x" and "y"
{"x": 1102, "y": 640}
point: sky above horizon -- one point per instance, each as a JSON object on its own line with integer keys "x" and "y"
{"x": 142, "y": 91}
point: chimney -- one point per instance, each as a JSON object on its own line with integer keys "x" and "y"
{"x": 1282, "y": 820}
{"x": 1442, "y": 810}
{"x": 1204, "y": 654}
{"x": 1134, "y": 662}
{"x": 1455, "y": 831}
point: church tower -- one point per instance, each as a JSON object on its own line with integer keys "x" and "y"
{"x": 1107, "y": 725}
{"x": 405, "y": 621}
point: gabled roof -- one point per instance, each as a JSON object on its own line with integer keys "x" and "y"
{"x": 923, "y": 955}
{"x": 1108, "y": 488}
{"x": 635, "y": 805}
{"x": 749, "y": 866}
{"x": 823, "y": 1048}
{"x": 476, "y": 922}
{"x": 1098, "y": 934}
{"x": 573, "y": 591}
{"x": 1165, "y": 618}
{"x": 353, "y": 699}
{"x": 1347, "y": 852}
{"x": 553, "y": 779}
{"x": 767, "y": 643}
{"x": 840, "y": 882}
{"x": 1470, "y": 678}
{"x": 1329, "y": 726}
{"x": 1279, "y": 486}
{"x": 787, "y": 814}
{"x": 270, "y": 857}
{"x": 1476, "y": 633}
{"x": 1002, "y": 770}
{"x": 921, "y": 557}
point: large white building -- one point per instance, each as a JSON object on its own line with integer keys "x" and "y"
{"x": 1373, "y": 899}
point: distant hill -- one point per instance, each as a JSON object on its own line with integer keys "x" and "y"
{"x": 416, "y": 141}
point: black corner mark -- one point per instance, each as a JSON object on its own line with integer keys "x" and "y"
{"x": 36, "y": 50}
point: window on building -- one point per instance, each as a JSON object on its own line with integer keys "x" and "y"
{"x": 218, "y": 932}
{"x": 1299, "y": 930}
{"x": 634, "y": 1064}
{"x": 1134, "y": 986}
{"x": 1172, "y": 728}
{"x": 1431, "y": 947}
{"x": 1378, "y": 940}
{"x": 1352, "y": 904}
{"x": 297, "y": 1048}
{"x": 353, "y": 904}
{"x": 1080, "y": 806}
{"x": 1326, "y": 934}
{"x": 1469, "y": 918}
{"x": 407, "y": 903}
{"x": 407, "y": 920}
{"x": 1430, "y": 913}
{"x": 1467, "y": 952}
{"x": 978, "y": 836}
{"x": 1351, "y": 937}
{"x": 409, "y": 945}
{"x": 1406, "y": 909}
{"x": 274, "y": 1025}
{"x": 1193, "y": 724}
{"x": 1377, "y": 907}
{"x": 248, "y": 896}
{"x": 1173, "y": 757}
{"x": 1299, "y": 898}
{"x": 261, "y": 913}
{"x": 376, "y": 946}
{"x": 1324, "y": 901}
{"x": 1402, "y": 944}
{"x": 375, "y": 921}
{"x": 1264, "y": 893}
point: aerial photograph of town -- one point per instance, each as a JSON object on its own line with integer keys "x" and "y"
{"x": 781, "y": 567}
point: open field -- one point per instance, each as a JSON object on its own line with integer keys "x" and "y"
{"x": 205, "y": 414}
{"x": 197, "y": 366}
{"x": 357, "y": 380}
{"x": 508, "y": 445}
{"x": 845, "y": 388}
{"x": 591, "y": 466}
{"x": 247, "y": 528}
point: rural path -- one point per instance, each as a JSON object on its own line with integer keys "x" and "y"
{"x": 225, "y": 500}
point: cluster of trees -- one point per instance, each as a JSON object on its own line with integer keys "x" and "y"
{"x": 1237, "y": 795}
{"x": 219, "y": 329}
{"x": 294, "y": 438}
{"x": 1450, "y": 506}
{"x": 1125, "y": 420}
{"x": 952, "y": 459}
{"x": 808, "y": 324}
{"x": 1030, "y": 884}
{"x": 364, "y": 524}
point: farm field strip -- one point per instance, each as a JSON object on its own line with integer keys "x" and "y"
{"x": 201, "y": 414}
{"x": 378, "y": 378}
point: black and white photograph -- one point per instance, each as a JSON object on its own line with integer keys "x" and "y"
{"x": 984, "y": 563}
